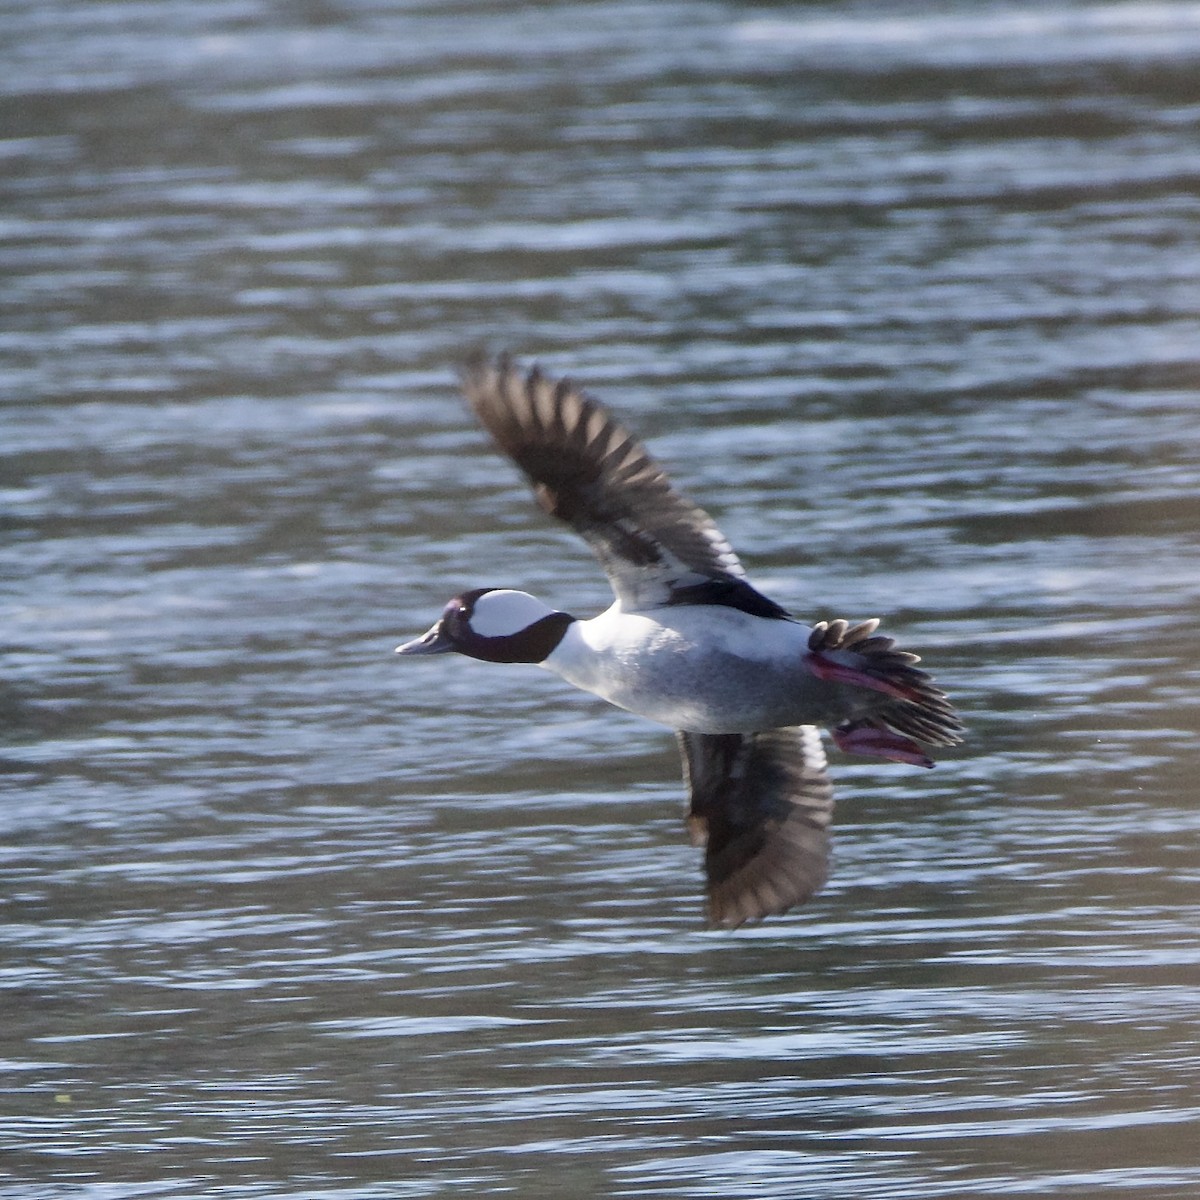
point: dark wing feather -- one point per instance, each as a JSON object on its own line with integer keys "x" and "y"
{"x": 656, "y": 546}
{"x": 762, "y": 803}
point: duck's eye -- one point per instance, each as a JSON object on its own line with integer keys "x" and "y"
{"x": 456, "y": 616}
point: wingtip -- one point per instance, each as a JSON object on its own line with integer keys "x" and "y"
{"x": 487, "y": 376}
{"x": 754, "y": 906}
{"x": 479, "y": 361}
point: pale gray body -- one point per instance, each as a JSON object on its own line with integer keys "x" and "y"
{"x": 699, "y": 669}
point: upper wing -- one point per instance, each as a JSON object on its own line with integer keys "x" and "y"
{"x": 655, "y": 545}
{"x": 763, "y": 804}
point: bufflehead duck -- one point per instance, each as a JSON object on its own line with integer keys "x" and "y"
{"x": 689, "y": 643}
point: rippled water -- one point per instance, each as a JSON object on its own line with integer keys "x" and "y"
{"x": 905, "y": 294}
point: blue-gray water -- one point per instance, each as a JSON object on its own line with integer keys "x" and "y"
{"x": 906, "y": 294}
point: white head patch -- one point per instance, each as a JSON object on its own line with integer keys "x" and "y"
{"x": 504, "y": 612}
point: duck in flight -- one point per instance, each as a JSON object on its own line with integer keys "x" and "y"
{"x": 690, "y": 643}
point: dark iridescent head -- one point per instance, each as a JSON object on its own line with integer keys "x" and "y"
{"x": 495, "y": 625}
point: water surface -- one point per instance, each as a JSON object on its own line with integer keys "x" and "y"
{"x": 905, "y": 294}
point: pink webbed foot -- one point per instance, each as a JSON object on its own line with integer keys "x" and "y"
{"x": 872, "y": 742}
{"x": 826, "y": 669}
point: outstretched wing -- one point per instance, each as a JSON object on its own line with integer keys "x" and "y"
{"x": 655, "y": 545}
{"x": 762, "y": 804}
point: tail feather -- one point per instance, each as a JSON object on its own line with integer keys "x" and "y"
{"x": 915, "y": 706}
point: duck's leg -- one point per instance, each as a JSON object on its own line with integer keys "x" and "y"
{"x": 873, "y": 741}
{"x": 829, "y": 670}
